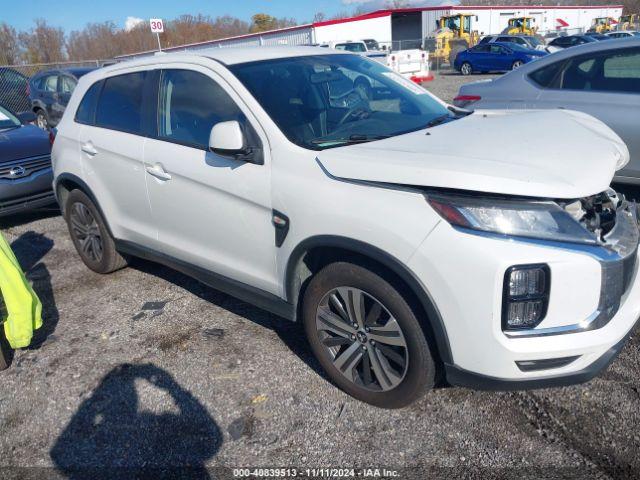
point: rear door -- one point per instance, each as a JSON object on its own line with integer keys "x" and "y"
{"x": 112, "y": 149}
{"x": 607, "y": 86}
{"x": 66, "y": 86}
{"x": 50, "y": 95}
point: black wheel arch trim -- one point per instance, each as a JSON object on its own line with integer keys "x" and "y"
{"x": 387, "y": 260}
{"x": 85, "y": 189}
{"x": 460, "y": 377}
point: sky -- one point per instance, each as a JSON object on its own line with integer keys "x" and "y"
{"x": 75, "y": 14}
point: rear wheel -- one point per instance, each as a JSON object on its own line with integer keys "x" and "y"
{"x": 366, "y": 337}
{"x": 90, "y": 235}
{"x": 466, "y": 69}
{"x": 517, "y": 64}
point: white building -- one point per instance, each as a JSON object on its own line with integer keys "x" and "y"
{"x": 407, "y": 27}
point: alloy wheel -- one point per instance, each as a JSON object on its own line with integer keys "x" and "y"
{"x": 86, "y": 230}
{"x": 363, "y": 340}
{"x": 466, "y": 69}
{"x": 516, "y": 64}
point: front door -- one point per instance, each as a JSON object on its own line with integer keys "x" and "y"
{"x": 211, "y": 211}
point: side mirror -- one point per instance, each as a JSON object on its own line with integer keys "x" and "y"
{"x": 227, "y": 139}
{"x": 26, "y": 117}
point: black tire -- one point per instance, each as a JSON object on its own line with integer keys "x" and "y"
{"x": 94, "y": 244}
{"x": 42, "y": 119}
{"x": 6, "y": 353}
{"x": 466, "y": 68}
{"x": 419, "y": 368}
{"x": 517, "y": 64}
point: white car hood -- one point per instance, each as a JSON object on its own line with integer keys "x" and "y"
{"x": 536, "y": 153}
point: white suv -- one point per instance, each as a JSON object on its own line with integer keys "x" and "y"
{"x": 411, "y": 238}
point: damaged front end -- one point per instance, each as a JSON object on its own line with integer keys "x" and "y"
{"x": 604, "y": 226}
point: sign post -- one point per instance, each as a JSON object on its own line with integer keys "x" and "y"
{"x": 157, "y": 27}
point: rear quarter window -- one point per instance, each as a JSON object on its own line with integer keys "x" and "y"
{"x": 86, "y": 112}
{"x": 547, "y": 76}
{"x": 120, "y": 103}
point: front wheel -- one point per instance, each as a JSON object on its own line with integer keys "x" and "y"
{"x": 517, "y": 64}
{"x": 466, "y": 69}
{"x": 366, "y": 337}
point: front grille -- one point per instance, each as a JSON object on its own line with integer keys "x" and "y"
{"x": 30, "y": 165}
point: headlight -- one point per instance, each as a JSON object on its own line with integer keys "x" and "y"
{"x": 534, "y": 219}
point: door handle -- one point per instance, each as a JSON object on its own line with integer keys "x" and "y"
{"x": 89, "y": 149}
{"x": 158, "y": 172}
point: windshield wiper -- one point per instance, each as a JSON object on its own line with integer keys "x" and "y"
{"x": 355, "y": 138}
{"x": 438, "y": 120}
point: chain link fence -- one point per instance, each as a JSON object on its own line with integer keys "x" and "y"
{"x": 14, "y": 81}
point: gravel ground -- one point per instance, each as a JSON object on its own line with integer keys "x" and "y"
{"x": 146, "y": 368}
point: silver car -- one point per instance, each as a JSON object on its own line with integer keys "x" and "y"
{"x": 600, "y": 78}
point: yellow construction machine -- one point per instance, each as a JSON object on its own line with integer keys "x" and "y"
{"x": 629, "y": 22}
{"x": 453, "y": 35}
{"x": 602, "y": 25}
{"x": 521, "y": 25}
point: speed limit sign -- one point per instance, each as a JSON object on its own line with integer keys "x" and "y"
{"x": 156, "y": 25}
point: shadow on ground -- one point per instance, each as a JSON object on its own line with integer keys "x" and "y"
{"x": 111, "y": 436}
{"x": 29, "y": 216}
{"x": 291, "y": 333}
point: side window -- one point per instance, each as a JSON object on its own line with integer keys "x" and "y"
{"x": 120, "y": 104}
{"x": 51, "y": 83}
{"x": 547, "y": 77}
{"x": 86, "y": 112}
{"x": 481, "y": 48}
{"x": 66, "y": 84}
{"x": 497, "y": 49}
{"x": 190, "y": 105}
{"x": 484, "y": 40}
{"x": 613, "y": 71}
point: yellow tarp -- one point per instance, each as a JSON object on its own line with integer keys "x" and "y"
{"x": 23, "y": 306}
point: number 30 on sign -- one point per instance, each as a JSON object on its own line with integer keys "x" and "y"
{"x": 156, "y": 25}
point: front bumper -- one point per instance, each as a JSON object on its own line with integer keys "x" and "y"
{"x": 574, "y": 342}
{"x": 26, "y": 193}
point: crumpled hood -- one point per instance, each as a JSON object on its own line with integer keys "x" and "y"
{"x": 535, "y": 153}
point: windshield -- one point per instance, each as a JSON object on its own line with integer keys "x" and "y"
{"x": 534, "y": 41}
{"x": 8, "y": 119}
{"x": 326, "y": 101}
{"x": 351, "y": 47}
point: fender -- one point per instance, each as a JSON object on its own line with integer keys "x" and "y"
{"x": 60, "y": 179}
{"x": 396, "y": 266}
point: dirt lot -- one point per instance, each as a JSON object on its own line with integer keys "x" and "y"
{"x": 147, "y": 368}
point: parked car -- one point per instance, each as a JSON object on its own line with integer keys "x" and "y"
{"x": 623, "y": 34}
{"x": 494, "y": 57}
{"x": 25, "y": 164}
{"x": 409, "y": 237}
{"x": 50, "y": 91}
{"x": 560, "y": 43}
{"x": 526, "y": 41}
{"x": 14, "y": 90}
{"x": 601, "y": 79}
{"x": 598, "y": 36}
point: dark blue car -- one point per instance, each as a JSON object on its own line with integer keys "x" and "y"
{"x": 494, "y": 57}
{"x": 25, "y": 164}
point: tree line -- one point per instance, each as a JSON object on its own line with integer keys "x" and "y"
{"x": 45, "y": 43}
